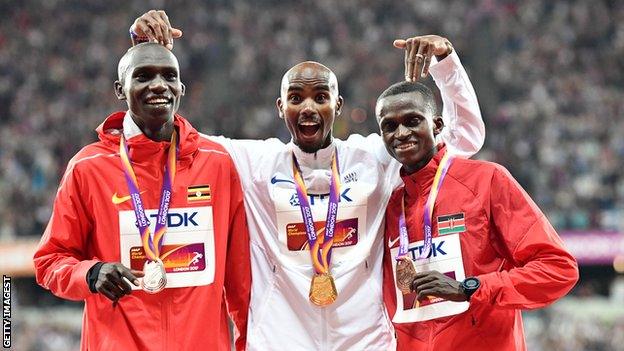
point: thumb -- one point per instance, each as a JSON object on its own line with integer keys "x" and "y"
{"x": 399, "y": 44}
{"x": 176, "y": 33}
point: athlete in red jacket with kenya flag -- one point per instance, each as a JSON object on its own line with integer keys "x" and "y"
{"x": 151, "y": 172}
{"x": 467, "y": 248}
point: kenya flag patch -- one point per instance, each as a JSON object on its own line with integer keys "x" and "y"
{"x": 453, "y": 223}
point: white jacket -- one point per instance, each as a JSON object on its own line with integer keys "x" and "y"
{"x": 281, "y": 316}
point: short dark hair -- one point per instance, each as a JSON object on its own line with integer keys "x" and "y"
{"x": 412, "y": 87}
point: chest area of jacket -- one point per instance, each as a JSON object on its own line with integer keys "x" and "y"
{"x": 456, "y": 211}
{"x": 108, "y": 191}
{"x": 359, "y": 188}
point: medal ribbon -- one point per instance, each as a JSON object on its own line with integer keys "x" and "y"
{"x": 443, "y": 167}
{"x": 321, "y": 256}
{"x": 151, "y": 245}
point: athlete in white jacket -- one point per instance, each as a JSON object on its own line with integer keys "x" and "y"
{"x": 281, "y": 314}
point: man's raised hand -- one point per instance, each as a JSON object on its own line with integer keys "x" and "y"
{"x": 418, "y": 53}
{"x": 154, "y": 26}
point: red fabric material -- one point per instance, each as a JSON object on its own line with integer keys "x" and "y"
{"x": 84, "y": 229}
{"x": 508, "y": 244}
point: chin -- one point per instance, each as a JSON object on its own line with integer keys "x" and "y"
{"x": 309, "y": 148}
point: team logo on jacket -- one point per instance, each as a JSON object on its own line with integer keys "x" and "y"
{"x": 198, "y": 193}
{"x": 452, "y": 223}
{"x": 117, "y": 200}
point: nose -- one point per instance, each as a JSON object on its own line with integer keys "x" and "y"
{"x": 307, "y": 109}
{"x": 402, "y": 132}
{"x": 158, "y": 85}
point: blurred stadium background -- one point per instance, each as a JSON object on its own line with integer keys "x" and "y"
{"x": 549, "y": 76}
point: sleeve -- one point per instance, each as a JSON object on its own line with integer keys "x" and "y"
{"x": 247, "y": 154}
{"x": 464, "y": 133}
{"x": 238, "y": 266}
{"x": 60, "y": 262}
{"x": 543, "y": 270}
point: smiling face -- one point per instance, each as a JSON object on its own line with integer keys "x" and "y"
{"x": 309, "y": 103}
{"x": 408, "y": 128}
{"x": 149, "y": 81}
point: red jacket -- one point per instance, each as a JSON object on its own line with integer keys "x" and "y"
{"x": 207, "y": 235}
{"x": 506, "y": 241}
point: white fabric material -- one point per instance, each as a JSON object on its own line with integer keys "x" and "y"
{"x": 130, "y": 128}
{"x": 281, "y": 316}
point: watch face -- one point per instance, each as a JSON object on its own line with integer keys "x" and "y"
{"x": 471, "y": 283}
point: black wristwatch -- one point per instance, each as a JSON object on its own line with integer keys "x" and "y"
{"x": 469, "y": 286}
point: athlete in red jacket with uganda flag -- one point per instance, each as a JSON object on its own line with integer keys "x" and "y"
{"x": 92, "y": 244}
{"x": 483, "y": 226}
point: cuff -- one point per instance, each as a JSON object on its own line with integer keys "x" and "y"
{"x": 92, "y": 276}
{"x": 484, "y": 293}
{"x": 439, "y": 69}
{"x": 79, "y": 273}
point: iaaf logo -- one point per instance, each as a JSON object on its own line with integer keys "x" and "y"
{"x": 436, "y": 250}
{"x": 294, "y": 199}
{"x": 184, "y": 219}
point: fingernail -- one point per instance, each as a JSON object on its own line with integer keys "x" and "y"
{"x": 136, "y": 282}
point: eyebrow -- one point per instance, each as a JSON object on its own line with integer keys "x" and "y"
{"x": 298, "y": 87}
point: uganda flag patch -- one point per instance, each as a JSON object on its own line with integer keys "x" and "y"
{"x": 198, "y": 193}
{"x": 453, "y": 223}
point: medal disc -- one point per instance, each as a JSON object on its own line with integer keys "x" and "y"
{"x": 323, "y": 290}
{"x": 155, "y": 278}
{"x": 405, "y": 273}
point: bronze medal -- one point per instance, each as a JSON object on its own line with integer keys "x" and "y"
{"x": 323, "y": 290}
{"x": 405, "y": 273}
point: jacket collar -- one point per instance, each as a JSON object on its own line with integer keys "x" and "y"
{"x": 318, "y": 160}
{"x": 419, "y": 182}
{"x": 141, "y": 148}
{"x": 316, "y": 167}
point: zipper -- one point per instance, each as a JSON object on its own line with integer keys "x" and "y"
{"x": 324, "y": 328}
{"x": 165, "y": 309}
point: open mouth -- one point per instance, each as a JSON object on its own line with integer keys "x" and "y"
{"x": 405, "y": 146}
{"x": 158, "y": 101}
{"x": 309, "y": 128}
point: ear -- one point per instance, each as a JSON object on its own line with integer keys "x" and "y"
{"x": 339, "y": 104}
{"x": 119, "y": 90}
{"x": 438, "y": 125}
{"x": 279, "y": 105}
{"x": 183, "y": 89}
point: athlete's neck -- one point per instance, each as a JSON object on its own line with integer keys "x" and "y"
{"x": 157, "y": 131}
{"x": 422, "y": 163}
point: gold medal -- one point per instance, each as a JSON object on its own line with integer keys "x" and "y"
{"x": 405, "y": 273}
{"x": 323, "y": 290}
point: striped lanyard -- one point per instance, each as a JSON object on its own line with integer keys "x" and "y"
{"x": 321, "y": 256}
{"x": 151, "y": 245}
{"x": 443, "y": 167}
